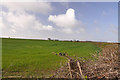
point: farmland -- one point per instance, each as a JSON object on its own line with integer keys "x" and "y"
{"x": 35, "y": 58}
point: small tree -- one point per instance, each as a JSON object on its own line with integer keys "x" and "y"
{"x": 49, "y": 38}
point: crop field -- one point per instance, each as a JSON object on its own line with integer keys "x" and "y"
{"x": 35, "y": 58}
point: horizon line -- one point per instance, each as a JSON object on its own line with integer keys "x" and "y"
{"x": 61, "y": 39}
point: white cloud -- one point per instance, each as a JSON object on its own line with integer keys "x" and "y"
{"x": 12, "y": 23}
{"x": 80, "y": 30}
{"x": 17, "y": 20}
{"x": 1, "y": 23}
{"x": 66, "y": 21}
{"x": 38, "y": 7}
{"x": 67, "y": 30}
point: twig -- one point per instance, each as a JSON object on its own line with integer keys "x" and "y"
{"x": 69, "y": 68}
{"x": 80, "y": 70}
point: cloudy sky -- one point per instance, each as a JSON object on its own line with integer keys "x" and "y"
{"x": 60, "y": 20}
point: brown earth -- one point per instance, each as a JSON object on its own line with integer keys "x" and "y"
{"x": 105, "y": 65}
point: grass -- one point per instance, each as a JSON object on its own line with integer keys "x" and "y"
{"x": 26, "y": 58}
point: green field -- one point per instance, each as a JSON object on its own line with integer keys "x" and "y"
{"x": 26, "y": 58}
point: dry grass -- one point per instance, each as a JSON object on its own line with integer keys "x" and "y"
{"x": 106, "y": 64}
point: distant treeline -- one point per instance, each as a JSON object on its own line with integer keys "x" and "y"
{"x": 62, "y": 40}
{"x": 74, "y": 40}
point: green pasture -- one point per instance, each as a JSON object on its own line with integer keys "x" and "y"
{"x": 34, "y": 58}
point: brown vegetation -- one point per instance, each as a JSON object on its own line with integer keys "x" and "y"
{"x": 105, "y": 65}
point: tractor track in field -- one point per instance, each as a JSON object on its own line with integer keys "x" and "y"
{"x": 71, "y": 69}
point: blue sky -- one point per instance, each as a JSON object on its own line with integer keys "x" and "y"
{"x": 60, "y": 20}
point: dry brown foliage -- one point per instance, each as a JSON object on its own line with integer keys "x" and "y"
{"x": 106, "y": 65}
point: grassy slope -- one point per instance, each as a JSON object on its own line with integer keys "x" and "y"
{"x": 34, "y": 57}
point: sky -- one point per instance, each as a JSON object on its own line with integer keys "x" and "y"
{"x": 92, "y": 21}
